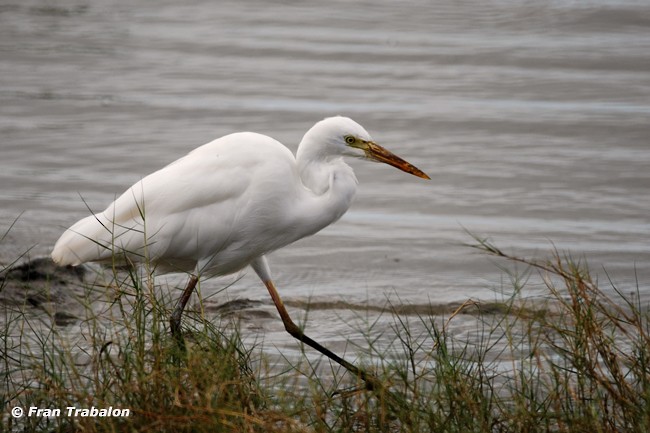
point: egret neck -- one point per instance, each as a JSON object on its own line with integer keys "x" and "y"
{"x": 330, "y": 185}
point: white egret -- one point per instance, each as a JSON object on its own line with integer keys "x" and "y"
{"x": 229, "y": 203}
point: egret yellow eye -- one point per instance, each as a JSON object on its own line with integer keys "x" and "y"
{"x": 350, "y": 139}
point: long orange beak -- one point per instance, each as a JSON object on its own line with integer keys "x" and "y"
{"x": 378, "y": 153}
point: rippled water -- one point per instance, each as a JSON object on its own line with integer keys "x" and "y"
{"x": 532, "y": 118}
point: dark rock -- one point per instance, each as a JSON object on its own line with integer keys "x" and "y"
{"x": 42, "y": 269}
{"x": 43, "y": 285}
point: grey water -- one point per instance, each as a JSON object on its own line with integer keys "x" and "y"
{"x": 532, "y": 119}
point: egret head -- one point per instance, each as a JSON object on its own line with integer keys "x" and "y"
{"x": 343, "y": 136}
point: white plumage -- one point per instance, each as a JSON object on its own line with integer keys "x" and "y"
{"x": 226, "y": 204}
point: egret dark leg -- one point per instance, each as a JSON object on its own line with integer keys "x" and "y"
{"x": 371, "y": 381}
{"x": 175, "y": 320}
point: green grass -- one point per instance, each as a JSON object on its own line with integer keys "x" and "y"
{"x": 577, "y": 361}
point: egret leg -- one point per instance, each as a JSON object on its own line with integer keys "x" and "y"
{"x": 371, "y": 381}
{"x": 175, "y": 320}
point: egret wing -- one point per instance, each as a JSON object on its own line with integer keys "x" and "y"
{"x": 179, "y": 213}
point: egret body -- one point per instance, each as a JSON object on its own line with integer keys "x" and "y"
{"x": 229, "y": 203}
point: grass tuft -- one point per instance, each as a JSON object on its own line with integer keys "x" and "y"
{"x": 576, "y": 361}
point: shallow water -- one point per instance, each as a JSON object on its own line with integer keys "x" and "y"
{"x": 532, "y": 119}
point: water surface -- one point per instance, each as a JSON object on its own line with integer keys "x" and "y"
{"x": 532, "y": 119}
